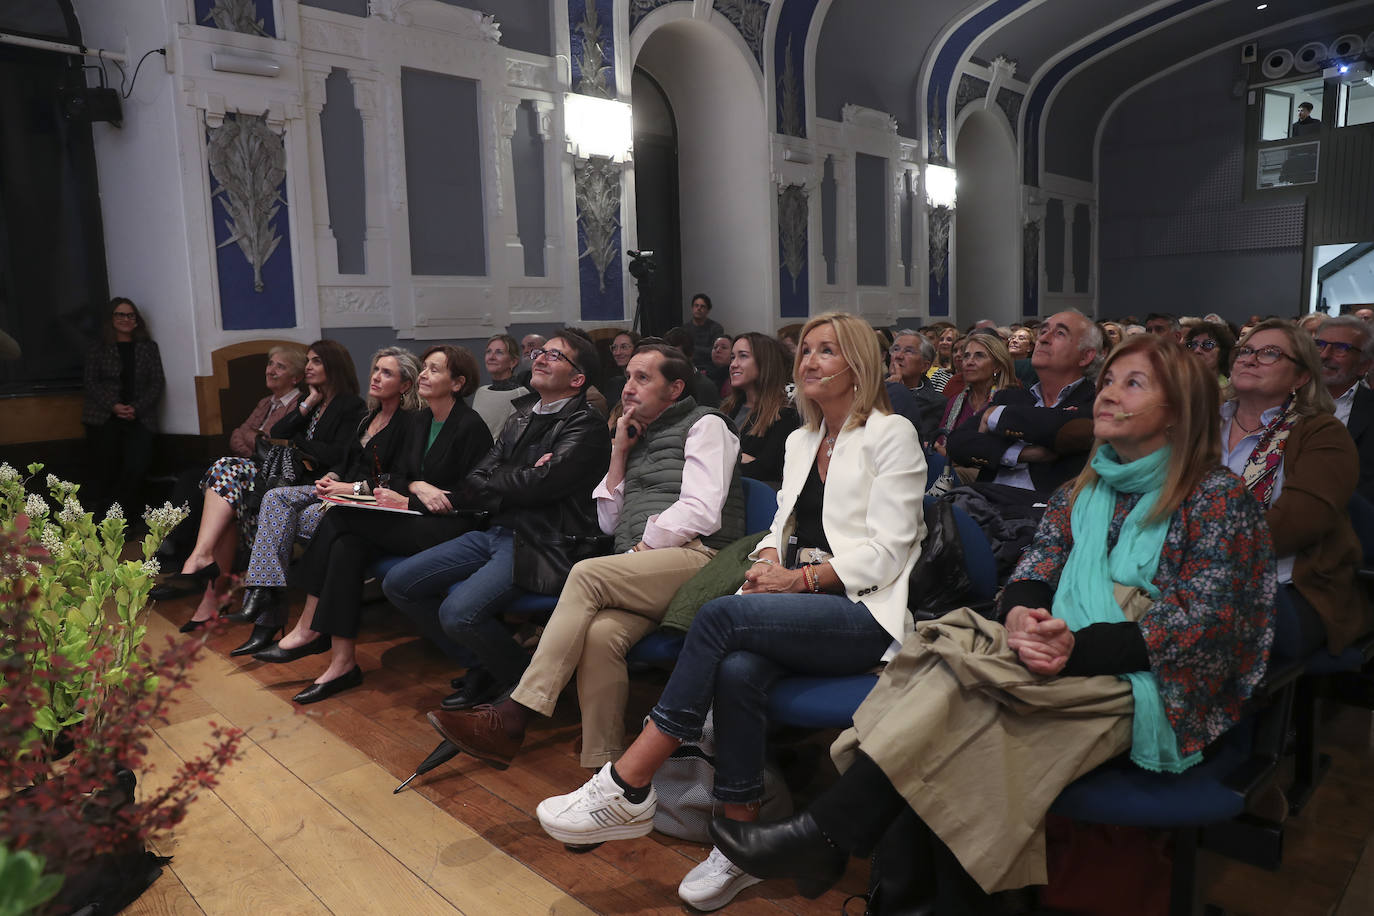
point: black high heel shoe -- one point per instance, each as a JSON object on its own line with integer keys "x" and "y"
{"x": 793, "y": 848}
{"x": 191, "y": 626}
{"x": 192, "y": 580}
{"x": 276, "y": 654}
{"x": 316, "y": 692}
{"x": 256, "y": 599}
{"x": 262, "y": 638}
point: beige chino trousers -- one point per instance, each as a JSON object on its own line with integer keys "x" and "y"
{"x": 607, "y": 605}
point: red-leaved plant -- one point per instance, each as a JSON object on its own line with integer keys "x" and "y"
{"x": 72, "y": 806}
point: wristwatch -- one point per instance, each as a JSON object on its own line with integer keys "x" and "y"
{"x": 357, "y": 488}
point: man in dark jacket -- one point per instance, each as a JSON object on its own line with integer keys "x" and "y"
{"x": 1026, "y": 443}
{"x": 536, "y": 482}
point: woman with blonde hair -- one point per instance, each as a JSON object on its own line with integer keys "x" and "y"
{"x": 288, "y": 513}
{"x": 1280, "y": 434}
{"x": 828, "y": 600}
{"x": 1140, "y": 620}
{"x": 986, "y": 367}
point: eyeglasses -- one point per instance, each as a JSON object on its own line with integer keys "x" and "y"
{"x": 904, "y": 351}
{"x": 555, "y": 356}
{"x": 129, "y": 316}
{"x": 1207, "y": 345}
{"x": 1340, "y": 346}
{"x": 1265, "y": 356}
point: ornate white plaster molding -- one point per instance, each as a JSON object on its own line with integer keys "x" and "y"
{"x": 530, "y": 303}
{"x": 474, "y": 25}
{"x": 331, "y": 37}
{"x": 346, "y": 301}
{"x": 868, "y": 119}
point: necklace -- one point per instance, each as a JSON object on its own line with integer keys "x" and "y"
{"x": 1243, "y": 428}
{"x": 829, "y": 443}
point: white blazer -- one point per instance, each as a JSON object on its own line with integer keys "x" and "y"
{"x": 872, "y": 512}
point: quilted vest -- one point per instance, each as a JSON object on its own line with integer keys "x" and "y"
{"x": 653, "y": 478}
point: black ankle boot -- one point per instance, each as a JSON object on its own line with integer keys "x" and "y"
{"x": 263, "y": 636}
{"x": 255, "y": 600}
{"x": 793, "y": 848}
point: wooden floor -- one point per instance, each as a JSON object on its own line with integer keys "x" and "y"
{"x": 305, "y": 822}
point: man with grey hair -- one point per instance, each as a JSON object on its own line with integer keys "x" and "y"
{"x": 1346, "y": 346}
{"x": 1023, "y": 443}
{"x": 911, "y": 356}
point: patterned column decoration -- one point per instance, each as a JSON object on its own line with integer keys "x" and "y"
{"x": 247, "y": 163}
{"x": 1030, "y": 261}
{"x": 789, "y": 66}
{"x": 939, "y": 220}
{"x": 596, "y": 185}
{"x": 794, "y": 286}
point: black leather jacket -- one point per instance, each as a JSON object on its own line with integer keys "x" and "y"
{"x": 550, "y": 507}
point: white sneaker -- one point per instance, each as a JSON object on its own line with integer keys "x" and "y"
{"x": 714, "y": 883}
{"x": 597, "y": 812}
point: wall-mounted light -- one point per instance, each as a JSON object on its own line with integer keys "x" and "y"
{"x": 597, "y": 127}
{"x": 244, "y": 63}
{"x": 940, "y": 186}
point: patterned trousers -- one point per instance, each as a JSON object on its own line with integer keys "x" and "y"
{"x": 286, "y": 514}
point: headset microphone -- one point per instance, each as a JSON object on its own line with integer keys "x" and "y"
{"x": 1126, "y": 415}
{"x": 827, "y": 379}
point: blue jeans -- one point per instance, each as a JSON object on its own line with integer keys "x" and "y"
{"x": 464, "y": 584}
{"x": 736, "y": 648}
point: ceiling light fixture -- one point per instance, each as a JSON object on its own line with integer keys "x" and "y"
{"x": 1262, "y": 6}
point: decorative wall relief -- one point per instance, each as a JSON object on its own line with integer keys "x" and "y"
{"x": 936, "y": 125}
{"x": 789, "y": 66}
{"x": 789, "y": 95}
{"x": 749, "y": 17}
{"x": 593, "y": 72}
{"x": 971, "y": 89}
{"x": 598, "y": 212}
{"x": 1009, "y": 100}
{"x": 793, "y": 242}
{"x": 939, "y": 220}
{"x": 247, "y": 165}
{"x": 641, "y": 8}
{"x": 237, "y": 16}
{"x": 1030, "y": 261}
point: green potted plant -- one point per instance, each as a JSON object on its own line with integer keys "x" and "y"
{"x": 82, "y": 694}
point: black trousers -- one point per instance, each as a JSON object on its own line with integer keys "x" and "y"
{"x": 121, "y": 453}
{"x": 864, "y": 812}
{"x": 347, "y": 542}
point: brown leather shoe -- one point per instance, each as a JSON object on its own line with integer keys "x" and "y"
{"x": 480, "y": 732}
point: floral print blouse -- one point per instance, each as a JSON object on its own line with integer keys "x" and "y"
{"x": 1210, "y": 631}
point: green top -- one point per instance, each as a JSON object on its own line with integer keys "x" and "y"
{"x": 434, "y": 427}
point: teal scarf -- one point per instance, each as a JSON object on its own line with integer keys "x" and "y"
{"x": 1085, "y": 596}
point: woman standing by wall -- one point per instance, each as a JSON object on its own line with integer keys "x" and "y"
{"x": 124, "y": 385}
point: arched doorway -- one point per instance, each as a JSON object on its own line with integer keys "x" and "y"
{"x": 712, "y": 89}
{"x": 987, "y": 240}
{"x": 657, "y": 214}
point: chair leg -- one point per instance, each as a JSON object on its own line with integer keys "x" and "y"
{"x": 1309, "y": 765}
{"x": 1184, "y": 893}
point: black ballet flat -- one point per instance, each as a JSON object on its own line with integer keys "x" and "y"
{"x": 793, "y": 848}
{"x": 191, "y": 626}
{"x": 192, "y": 580}
{"x": 276, "y": 654}
{"x": 262, "y": 638}
{"x": 316, "y": 692}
